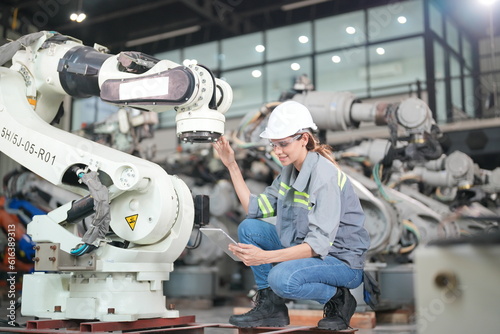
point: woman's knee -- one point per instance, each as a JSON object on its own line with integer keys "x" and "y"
{"x": 281, "y": 282}
{"x": 356, "y": 280}
{"x": 277, "y": 283}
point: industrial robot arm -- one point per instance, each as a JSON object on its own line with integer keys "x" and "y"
{"x": 55, "y": 65}
{"x": 143, "y": 216}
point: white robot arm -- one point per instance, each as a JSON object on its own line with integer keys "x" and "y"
{"x": 150, "y": 213}
{"x": 54, "y": 66}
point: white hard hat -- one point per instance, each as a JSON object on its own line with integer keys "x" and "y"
{"x": 287, "y": 119}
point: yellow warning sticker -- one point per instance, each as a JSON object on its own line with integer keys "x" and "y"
{"x": 131, "y": 221}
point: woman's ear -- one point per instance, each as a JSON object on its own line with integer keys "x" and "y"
{"x": 305, "y": 138}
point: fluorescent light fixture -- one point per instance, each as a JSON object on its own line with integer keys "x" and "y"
{"x": 81, "y": 17}
{"x": 303, "y": 39}
{"x": 301, "y": 4}
{"x": 78, "y": 17}
{"x": 165, "y": 35}
{"x": 260, "y": 48}
{"x": 336, "y": 59}
{"x": 295, "y": 66}
{"x": 256, "y": 73}
{"x": 402, "y": 19}
{"x": 380, "y": 51}
{"x": 350, "y": 30}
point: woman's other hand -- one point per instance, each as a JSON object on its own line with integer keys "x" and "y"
{"x": 250, "y": 255}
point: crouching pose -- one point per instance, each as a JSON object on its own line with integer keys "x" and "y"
{"x": 317, "y": 248}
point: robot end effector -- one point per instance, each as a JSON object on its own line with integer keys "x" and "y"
{"x": 127, "y": 79}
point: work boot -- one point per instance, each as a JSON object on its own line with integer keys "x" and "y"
{"x": 338, "y": 311}
{"x": 269, "y": 311}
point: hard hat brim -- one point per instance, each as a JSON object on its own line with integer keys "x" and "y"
{"x": 266, "y": 134}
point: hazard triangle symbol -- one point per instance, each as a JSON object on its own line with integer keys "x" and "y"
{"x": 131, "y": 221}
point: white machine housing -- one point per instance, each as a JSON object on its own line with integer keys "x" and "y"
{"x": 152, "y": 213}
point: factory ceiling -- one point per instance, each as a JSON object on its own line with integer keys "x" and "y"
{"x": 153, "y": 26}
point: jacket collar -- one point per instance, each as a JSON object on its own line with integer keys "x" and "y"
{"x": 301, "y": 179}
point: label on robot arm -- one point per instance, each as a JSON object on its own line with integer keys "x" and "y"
{"x": 28, "y": 147}
{"x": 139, "y": 89}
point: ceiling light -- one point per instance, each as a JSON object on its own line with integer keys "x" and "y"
{"x": 303, "y": 39}
{"x": 165, "y": 35}
{"x": 79, "y": 15}
{"x": 380, "y": 51}
{"x": 350, "y": 30}
{"x": 260, "y": 48}
{"x": 295, "y": 66}
{"x": 256, "y": 73}
{"x": 336, "y": 59}
{"x": 402, "y": 19}
{"x": 301, "y": 4}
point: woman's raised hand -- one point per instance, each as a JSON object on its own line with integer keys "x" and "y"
{"x": 225, "y": 151}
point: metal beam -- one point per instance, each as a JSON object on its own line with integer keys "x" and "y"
{"x": 205, "y": 10}
{"x": 117, "y": 14}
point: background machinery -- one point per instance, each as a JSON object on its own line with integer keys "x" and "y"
{"x": 411, "y": 191}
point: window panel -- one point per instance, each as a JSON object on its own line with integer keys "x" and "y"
{"x": 287, "y": 42}
{"x": 436, "y": 20}
{"x": 456, "y": 88}
{"x": 340, "y": 31}
{"x": 174, "y": 56}
{"x": 395, "y": 20}
{"x": 452, "y": 36}
{"x": 342, "y": 71}
{"x": 470, "y": 99}
{"x": 439, "y": 72}
{"x": 401, "y": 63}
{"x": 204, "y": 54}
{"x": 441, "y": 102}
{"x": 280, "y": 77}
{"x": 240, "y": 51}
{"x": 247, "y": 90}
{"x": 467, "y": 52}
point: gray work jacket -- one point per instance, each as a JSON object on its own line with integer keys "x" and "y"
{"x": 318, "y": 206}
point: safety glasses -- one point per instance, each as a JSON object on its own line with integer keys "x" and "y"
{"x": 286, "y": 142}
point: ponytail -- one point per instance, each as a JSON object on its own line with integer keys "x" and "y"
{"x": 326, "y": 151}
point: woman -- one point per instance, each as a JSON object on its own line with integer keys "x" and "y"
{"x": 316, "y": 249}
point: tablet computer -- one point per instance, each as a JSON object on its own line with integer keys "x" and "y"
{"x": 221, "y": 238}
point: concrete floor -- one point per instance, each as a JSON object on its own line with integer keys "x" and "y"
{"x": 221, "y": 314}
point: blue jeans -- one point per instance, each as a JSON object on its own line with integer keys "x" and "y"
{"x": 307, "y": 279}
